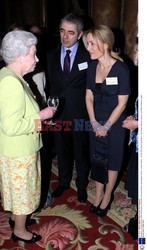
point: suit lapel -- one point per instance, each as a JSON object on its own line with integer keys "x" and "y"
{"x": 57, "y": 60}
{"x": 78, "y": 59}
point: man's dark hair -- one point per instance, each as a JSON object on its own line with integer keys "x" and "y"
{"x": 71, "y": 18}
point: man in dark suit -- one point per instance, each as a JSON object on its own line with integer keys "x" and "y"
{"x": 67, "y": 68}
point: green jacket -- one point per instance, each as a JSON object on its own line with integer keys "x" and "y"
{"x": 18, "y": 112}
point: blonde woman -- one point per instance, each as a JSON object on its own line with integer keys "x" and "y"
{"x": 108, "y": 88}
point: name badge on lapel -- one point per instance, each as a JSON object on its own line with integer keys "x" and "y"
{"x": 83, "y": 66}
{"x": 111, "y": 81}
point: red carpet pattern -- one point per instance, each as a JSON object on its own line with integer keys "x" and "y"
{"x": 67, "y": 225}
{"x": 121, "y": 209}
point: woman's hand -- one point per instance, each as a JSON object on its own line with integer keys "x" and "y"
{"x": 98, "y": 129}
{"x": 101, "y": 131}
{"x": 129, "y": 118}
{"x": 130, "y": 123}
{"x": 47, "y": 113}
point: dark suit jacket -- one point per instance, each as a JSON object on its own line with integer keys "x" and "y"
{"x": 72, "y": 91}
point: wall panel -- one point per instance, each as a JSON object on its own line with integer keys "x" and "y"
{"x": 107, "y": 12}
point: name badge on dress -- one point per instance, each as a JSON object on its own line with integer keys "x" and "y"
{"x": 111, "y": 81}
{"x": 83, "y": 66}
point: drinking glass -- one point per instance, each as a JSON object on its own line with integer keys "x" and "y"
{"x": 53, "y": 101}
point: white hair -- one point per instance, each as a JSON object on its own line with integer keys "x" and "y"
{"x": 15, "y": 44}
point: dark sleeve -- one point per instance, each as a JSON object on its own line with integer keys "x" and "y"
{"x": 91, "y": 75}
{"x": 124, "y": 80}
{"x": 49, "y": 59}
{"x": 88, "y": 85}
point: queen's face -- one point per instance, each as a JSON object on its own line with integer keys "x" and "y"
{"x": 29, "y": 61}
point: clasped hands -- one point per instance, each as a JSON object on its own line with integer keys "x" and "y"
{"x": 100, "y": 130}
{"x": 130, "y": 123}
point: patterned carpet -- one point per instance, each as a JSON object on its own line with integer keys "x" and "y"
{"x": 67, "y": 224}
{"x": 121, "y": 209}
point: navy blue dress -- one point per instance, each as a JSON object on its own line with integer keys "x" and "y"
{"x": 105, "y": 101}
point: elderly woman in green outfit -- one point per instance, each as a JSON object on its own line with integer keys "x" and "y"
{"x": 19, "y": 142}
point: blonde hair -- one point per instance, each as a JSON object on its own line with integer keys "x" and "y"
{"x": 104, "y": 34}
